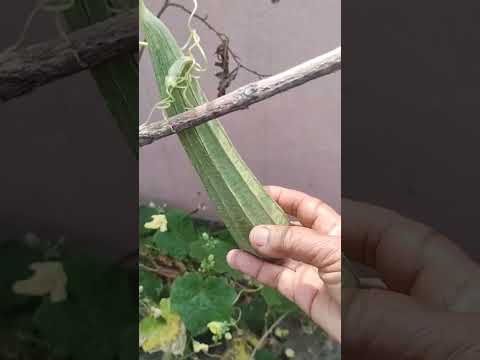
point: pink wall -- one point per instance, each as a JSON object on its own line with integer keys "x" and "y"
{"x": 291, "y": 140}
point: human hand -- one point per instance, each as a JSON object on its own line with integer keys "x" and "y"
{"x": 430, "y": 308}
{"x": 309, "y": 268}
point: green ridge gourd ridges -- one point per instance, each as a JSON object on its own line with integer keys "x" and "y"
{"x": 238, "y": 196}
{"x": 240, "y": 199}
{"x": 117, "y": 79}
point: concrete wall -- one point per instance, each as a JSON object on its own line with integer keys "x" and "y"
{"x": 291, "y": 140}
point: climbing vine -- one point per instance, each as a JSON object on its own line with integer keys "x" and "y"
{"x": 193, "y": 305}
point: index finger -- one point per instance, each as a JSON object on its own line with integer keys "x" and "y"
{"x": 410, "y": 257}
{"x": 310, "y": 211}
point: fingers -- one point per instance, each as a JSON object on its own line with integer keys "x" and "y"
{"x": 311, "y": 212}
{"x": 410, "y": 257}
{"x": 272, "y": 275}
{"x": 298, "y": 243}
{"x": 372, "y": 318}
{"x": 302, "y": 286}
{"x": 305, "y": 246}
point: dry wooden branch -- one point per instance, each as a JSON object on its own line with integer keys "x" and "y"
{"x": 25, "y": 69}
{"x": 243, "y": 97}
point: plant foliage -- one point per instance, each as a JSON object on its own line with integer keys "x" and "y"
{"x": 223, "y": 312}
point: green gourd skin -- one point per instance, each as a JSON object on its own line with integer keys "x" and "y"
{"x": 240, "y": 199}
{"x": 117, "y": 79}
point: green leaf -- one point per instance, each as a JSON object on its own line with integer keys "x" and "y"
{"x": 226, "y": 236}
{"x": 99, "y": 307}
{"x": 169, "y": 243}
{"x": 152, "y": 285}
{"x": 201, "y": 300}
{"x": 201, "y": 228}
{"x": 181, "y": 231}
{"x": 181, "y": 224}
{"x": 264, "y": 354}
{"x": 277, "y": 302}
{"x": 253, "y": 314}
{"x": 201, "y": 249}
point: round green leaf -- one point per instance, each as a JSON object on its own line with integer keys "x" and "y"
{"x": 201, "y": 300}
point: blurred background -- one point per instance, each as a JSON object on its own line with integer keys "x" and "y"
{"x": 65, "y": 167}
{"x": 410, "y": 117}
{"x": 293, "y": 139}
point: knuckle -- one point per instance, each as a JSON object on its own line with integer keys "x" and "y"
{"x": 286, "y": 290}
{"x": 287, "y": 239}
{"x": 269, "y": 276}
{"x": 274, "y": 280}
{"x": 327, "y": 258}
{"x": 259, "y": 271}
{"x": 317, "y": 205}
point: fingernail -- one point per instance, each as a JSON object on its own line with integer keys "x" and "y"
{"x": 259, "y": 236}
{"x": 231, "y": 258}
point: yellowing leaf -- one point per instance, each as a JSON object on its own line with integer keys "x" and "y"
{"x": 239, "y": 350}
{"x": 166, "y": 333}
{"x": 49, "y": 278}
{"x": 251, "y": 338}
{"x": 158, "y": 222}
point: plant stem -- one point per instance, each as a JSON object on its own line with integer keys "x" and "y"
{"x": 266, "y": 334}
{"x": 243, "y": 97}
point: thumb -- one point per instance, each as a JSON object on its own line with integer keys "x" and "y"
{"x": 304, "y": 245}
{"x": 298, "y": 243}
{"x": 380, "y": 324}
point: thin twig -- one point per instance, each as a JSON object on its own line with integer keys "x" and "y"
{"x": 222, "y": 36}
{"x": 164, "y": 7}
{"x": 246, "y": 291}
{"x": 243, "y": 97}
{"x": 226, "y": 76}
{"x": 25, "y": 69}
{"x": 145, "y": 267}
{"x": 267, "y": 334}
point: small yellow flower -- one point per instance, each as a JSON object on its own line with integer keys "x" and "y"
{"x": 281, "y": 333}
{"x": 289, "y": 353}
{"x": 198, "y": 346}
{"x": 159, "y": 222}
{"x": 215, "y": 327}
